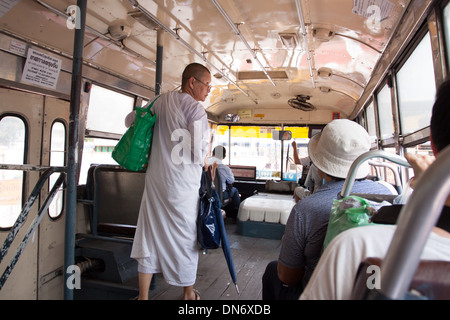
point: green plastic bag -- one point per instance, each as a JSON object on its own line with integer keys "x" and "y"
{"x": 133, "y": 150}
{"x": 346, "y": 213}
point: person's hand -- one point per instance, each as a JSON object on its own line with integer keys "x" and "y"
{"x": 294, "y": 144}
{"x": 214, "y": 166}
{"x": 419, "y": 163}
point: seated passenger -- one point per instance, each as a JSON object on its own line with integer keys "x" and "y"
{"x": 310, "y": 175}
{"x": 335, "y": 273}
{"x": 333, "y": 151}
{"x": 229, "y": 192}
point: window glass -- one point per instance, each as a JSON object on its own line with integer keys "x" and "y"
{"x": 446, "y": 19}
{"x": 96, "y": 151}
{"x": 292, "y": 171}
{"x": 387, "y": 174}
{"x": 12, "y": 151}
{"x": 385, "y": 113}
{"x": 108, "y": 110}
{"x": 57, "y": 159}
{"x": 254, "y": 146}
{"x": 371, "y": 123}
{"x": 416, "y": 88}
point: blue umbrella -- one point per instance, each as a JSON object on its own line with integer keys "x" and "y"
{"x": 226, "y": 247}
{"x": 222, "y": 231}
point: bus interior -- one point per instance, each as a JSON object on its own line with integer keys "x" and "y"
{"x": 71, "y": 71}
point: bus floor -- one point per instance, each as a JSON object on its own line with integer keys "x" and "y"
{"x": 250, "y": 257}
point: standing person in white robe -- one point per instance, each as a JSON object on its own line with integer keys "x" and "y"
{"x": 166, "y": 235}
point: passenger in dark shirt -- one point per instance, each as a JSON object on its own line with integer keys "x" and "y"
{"x": 333, "y": 151}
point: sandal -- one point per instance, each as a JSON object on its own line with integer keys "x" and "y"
{"x": 197, "y": 294}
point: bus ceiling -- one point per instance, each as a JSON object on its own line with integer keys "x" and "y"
{"x": 262, "y": 54}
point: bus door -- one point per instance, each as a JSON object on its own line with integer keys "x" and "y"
{"x": 33, "y": 131}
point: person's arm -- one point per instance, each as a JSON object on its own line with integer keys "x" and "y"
{"x": 294, "y": 148}
{"x": 290, "y": 276}
{"x": 419, "y": 163}
{"x": 291, "y": 262}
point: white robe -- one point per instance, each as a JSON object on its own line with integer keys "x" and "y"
{"x": 166, "y": 234}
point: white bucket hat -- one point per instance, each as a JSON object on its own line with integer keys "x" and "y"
{"x": 338, "y": 145}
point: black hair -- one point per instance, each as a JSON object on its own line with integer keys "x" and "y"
{"x": 220, "y": 151}
{"x": 195, "y": 70}
{"x": 440, "y": 117}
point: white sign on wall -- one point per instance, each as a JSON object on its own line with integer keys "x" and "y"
{"x": 41, "y": 69}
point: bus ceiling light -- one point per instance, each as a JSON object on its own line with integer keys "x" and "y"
{"x": 119, "y": 31}
{"x": 325, "y": 72}
{"x": 325, "y": 89}
{"x": 323, "y": 34}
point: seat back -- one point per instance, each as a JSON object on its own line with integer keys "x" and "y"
{"x": 117, "y": 195}
{"x": 218, "y": 186}
{"x": 430, "y": 281}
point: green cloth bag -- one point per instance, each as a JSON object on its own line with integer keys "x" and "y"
{"x": 346, "y": 213}
{"x": 133, "y": 150}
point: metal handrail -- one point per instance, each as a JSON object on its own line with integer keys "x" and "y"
{"x": 398, "y": 182}
{"x": 348, "y": 185}
{"x": 24, "y": 214}
{"x": 416, "y": 221}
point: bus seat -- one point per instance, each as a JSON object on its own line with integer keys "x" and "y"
{"x": 430, "y": 281}
{"x": 402, "y": 268}
{"x": 286, "y": 187}
{"x": 117, "y": 195}
{"x": 218, "y": 187}
{"x": 264, "y": 215}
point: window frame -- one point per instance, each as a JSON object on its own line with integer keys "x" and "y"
{"x": 25, "y": 160}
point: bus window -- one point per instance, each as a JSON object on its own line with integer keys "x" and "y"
{"x": 292, "y": 171}
{"x": 387, "y": 174}
{"x": 446, "y": 19}
{"x": 416, "y": 88}
{"x": 371, "y": 124}
{"x": 221, "y": 137}
{"x": 12, "y": 151}
{"x": 107, "y": 110}
{"x": 254, "y": 146}
{"x": 57, "y": 159}
{"x": 385, "y": 117}
{"x": 96, "y": 151}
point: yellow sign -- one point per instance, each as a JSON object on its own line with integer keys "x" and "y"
{"x": 298, "y": 132}
{"x": 250, "y": 132}
{"x": 258, "y": 132}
